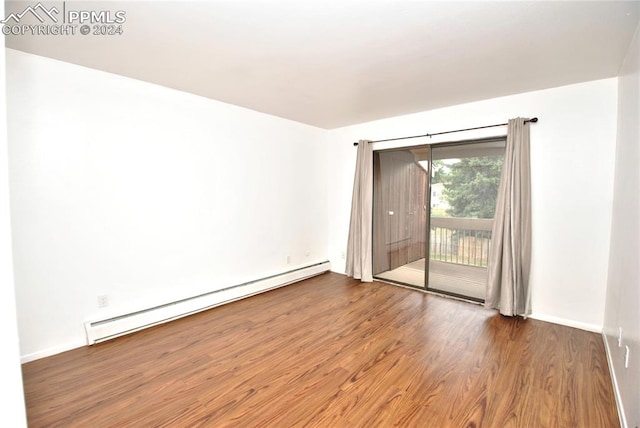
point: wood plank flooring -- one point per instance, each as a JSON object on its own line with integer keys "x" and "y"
{"x": 331, "y": 352}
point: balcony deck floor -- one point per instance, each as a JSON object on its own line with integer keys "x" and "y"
{"x": 451, "y": 278}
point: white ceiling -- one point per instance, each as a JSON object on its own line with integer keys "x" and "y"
{"x": 334, "y": 64}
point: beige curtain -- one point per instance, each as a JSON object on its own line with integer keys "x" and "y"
{"x": 510, "y": 253}
{"x": 359, "y": 257}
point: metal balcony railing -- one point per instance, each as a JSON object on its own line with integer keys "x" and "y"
{"x": 463, "y": 241}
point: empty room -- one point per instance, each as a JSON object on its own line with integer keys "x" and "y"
{"x": 320, "y": 214}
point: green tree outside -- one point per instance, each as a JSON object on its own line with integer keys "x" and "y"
{"x": 470, "y": 185}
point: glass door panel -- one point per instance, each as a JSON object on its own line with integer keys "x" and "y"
{"x": 464, "y": 187}
{"x": 400, "y": 217}
{"x": 433, "y": 210}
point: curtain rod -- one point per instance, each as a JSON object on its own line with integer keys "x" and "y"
{"x": 533, "y": 120}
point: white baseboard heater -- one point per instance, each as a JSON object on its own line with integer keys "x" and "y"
{"x": 105, "y": 329}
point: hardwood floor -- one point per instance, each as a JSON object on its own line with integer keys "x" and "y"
{"x": 331, "y": 352}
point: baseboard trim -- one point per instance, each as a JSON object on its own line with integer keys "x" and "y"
{"x": 614, "y": 380}
{"x": 51, "y": 351}
{"x": 594, "y": 328}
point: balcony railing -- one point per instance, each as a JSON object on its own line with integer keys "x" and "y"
{"x": 463, "y": 241}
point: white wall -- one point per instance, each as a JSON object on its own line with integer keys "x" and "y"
{"x": 147, "y": 194}
{"x": 12, "y": 403}
{"x": 572, "y": 153}
{"x": 129, "y": 189}
{"x": 623, "y": 291}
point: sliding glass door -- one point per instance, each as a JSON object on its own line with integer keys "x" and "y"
{"x": 433, "y": 215}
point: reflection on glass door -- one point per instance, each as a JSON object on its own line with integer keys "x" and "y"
{"x": 400, "y": 217}
{"x": 436, "y": 204}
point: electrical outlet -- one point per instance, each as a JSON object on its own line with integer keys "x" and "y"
{"x": 619, "y": 337}
{"x": 288, "y": 259}
{"x": 103, "y": 301}
{"x": 342, "y": 255}
{"x": 307, "y": 253}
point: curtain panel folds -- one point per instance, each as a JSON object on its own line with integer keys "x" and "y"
{"x": 359, "y": 245}
{"x": 510, "y": 254}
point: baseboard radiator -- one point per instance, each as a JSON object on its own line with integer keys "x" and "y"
{"x": 101, "y": 330}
